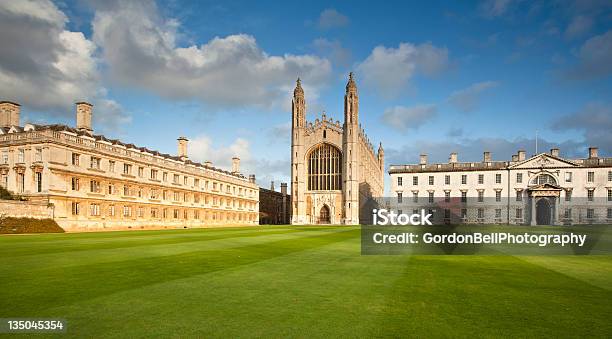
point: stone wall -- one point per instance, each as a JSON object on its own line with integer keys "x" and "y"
{"x": 25, "y": 209}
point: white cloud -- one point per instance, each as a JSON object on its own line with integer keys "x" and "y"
{"x": 333, "y": 49}
{"x": 331, "y": 18}
{"x": 202, "y": 148}
{"x": 595, "y": 58}
{"x": 467, "y": 99}
{"x": 405, "y": 118}
{"x": 594, "y": 120}
{"x": 494, "y": 8}
{"x": 140, "y": 48}
{"x": 579, "y": 25}
{"x": 45, "y": 67}
{"x": 389, "y": 70}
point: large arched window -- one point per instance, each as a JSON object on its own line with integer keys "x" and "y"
{"x": 544, "y": 179}
{"x": 325, "y": 168}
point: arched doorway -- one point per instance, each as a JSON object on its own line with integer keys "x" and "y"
{"x": 324, "y": 215}
{"x": 543, "y": 212}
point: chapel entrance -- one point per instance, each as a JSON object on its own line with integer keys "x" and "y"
{"x": 324, "y": 217}
{"x": 543, "y": 212}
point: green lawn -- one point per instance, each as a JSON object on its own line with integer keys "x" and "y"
{"x": 293, "y": 281}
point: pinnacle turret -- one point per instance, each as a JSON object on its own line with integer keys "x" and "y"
{"x": 298, "y": 91}
{"x": 351, "y": 86}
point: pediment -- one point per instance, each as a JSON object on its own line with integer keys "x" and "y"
{"x": 544, "y": 160}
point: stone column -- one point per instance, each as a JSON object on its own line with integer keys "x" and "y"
{"x": 533, "y": 211}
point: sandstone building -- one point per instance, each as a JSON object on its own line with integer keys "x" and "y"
{"x": 544, "y": 189}
{"x": 93, "y": 182}
{"x": 334, "y": 168}
{"x": 274, "y": 207}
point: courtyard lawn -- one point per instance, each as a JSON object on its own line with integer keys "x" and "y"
{"x": 293, "y": 282}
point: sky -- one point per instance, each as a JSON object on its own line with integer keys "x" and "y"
{"x": 433, "y": 77}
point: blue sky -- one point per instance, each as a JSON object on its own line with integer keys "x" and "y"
{"x": 433, "y": 77}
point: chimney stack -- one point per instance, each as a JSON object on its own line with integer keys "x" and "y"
{"x": 235, "y": 165}
{"x": 486, "y": 156}
{"x": 423, "y": 159}
{"x": 284, "y": 188}
{"x": 514, "y": 158}
{"x": 554, "y": 152}
{"x": 521, "y": 155}
{"x": 252, "y": 178}
{"x": 84, "y": 111}
{"x": 9, "y": 113}
{"x": 453, "y": 158}
{"x": 272, "y": 185}
{"x": 182, "y": 148}
{"x": 592, "y": 152}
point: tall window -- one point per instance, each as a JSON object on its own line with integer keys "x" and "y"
{"x": 75, "y": 159}
{"x": 519, "y": 178}
{"x": 95, "y": 163}
{"x": 75, "y": 184}
{"x": 20, "y": 182}
{"x": 447, "y": 179}
{"x": 75, "y": 208}
{"x": 21, "y": 155}
{"x": 590, "y": 176}
{"x": 464, "y": 179}
{"x": 399, "y": 181}
{"x": 325, "y": 168}
{"x": 498, "y": 178}
{"x": 431, "y": 180}
{"x": 39, "y": 183}
{"x": 480, "y": 179}
{"x": 415, "y": 180}
{"x": 399, "y": 197}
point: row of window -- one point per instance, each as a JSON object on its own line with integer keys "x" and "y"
{"x": 156, "y": 194}
{"x": 498, "y": 196}
{"x": 154, "y": 174}
{"x": 129, "y": 211}
{"x": 541, "y": 179}
{"x": 518, "y": 213}
{"x": 21, "y": 155}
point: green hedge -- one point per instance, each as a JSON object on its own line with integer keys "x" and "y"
{"x": 12, "y": 225}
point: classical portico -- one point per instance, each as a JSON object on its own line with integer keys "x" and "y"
{"x": 544, "y": 203}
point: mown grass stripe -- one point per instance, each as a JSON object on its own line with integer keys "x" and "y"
{"x": 32, "y": 295}
{"x": 139, "y": 250}
{"x": 8, "y": 250}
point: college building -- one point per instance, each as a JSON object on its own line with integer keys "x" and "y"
{"x": 274, "y": 206}
{"x": 334, "y": 168}
{"x": 544, "y": 189}
{"x": 92, "y": 183}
